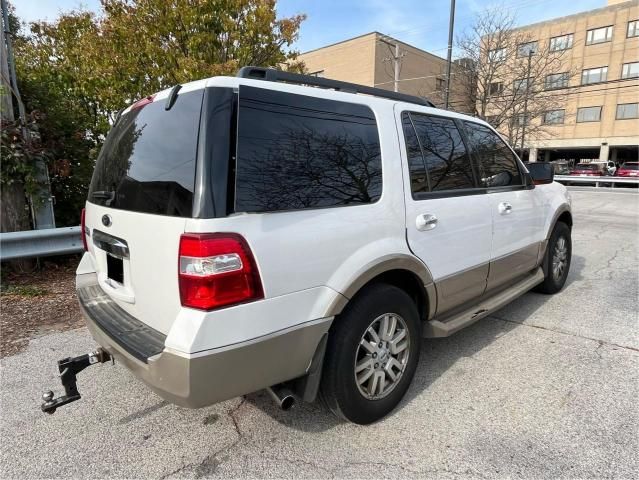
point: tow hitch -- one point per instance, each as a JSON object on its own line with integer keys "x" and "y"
{"x": 69, "y": 367}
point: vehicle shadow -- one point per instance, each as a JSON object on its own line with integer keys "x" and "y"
{"x": 437, "y": 356}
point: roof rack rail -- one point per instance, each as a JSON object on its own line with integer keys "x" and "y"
{"x": 272, "y": 75}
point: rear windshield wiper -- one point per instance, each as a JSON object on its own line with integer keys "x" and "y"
{"x": 103, "y": 195}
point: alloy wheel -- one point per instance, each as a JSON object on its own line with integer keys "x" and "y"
{"x": 382, "y": 355}
{"x": 559, "y": 258}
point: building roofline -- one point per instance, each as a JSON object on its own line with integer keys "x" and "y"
{"x": 618, "y": 6}
{"x": 341, "y": 41}
{"x": 377, "y": 34}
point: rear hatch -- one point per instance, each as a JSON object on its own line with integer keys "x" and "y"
{"x": 140, "y": 196}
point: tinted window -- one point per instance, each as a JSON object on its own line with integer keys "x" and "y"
{"x": 298, "y": 152}
{"x": 445, "y": 155}
{"x": 147, "y": 163}
{"x": 416, "y": 165}
{"x": 496, "y": 161}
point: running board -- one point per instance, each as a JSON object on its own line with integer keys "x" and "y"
{"x": 449, "y": 325}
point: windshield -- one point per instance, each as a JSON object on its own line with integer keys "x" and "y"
{"x": 630, "y": 166}
{"x": 147, "y": 163}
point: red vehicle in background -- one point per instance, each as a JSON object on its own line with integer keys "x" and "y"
{"x": 628, "y": 169}
{"x": 589, "y": 170}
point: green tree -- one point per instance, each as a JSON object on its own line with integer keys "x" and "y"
{"x": 76, "y": 73}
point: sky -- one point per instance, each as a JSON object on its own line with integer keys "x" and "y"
{"x": 422, "y": 23}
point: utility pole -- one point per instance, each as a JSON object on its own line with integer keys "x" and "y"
{"x": 523, "y": 127}
{"x": 42, "y": 212}
{"x": 395, "y": 58}
{"x": 451, "y": 26}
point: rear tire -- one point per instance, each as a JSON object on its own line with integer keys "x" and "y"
{"x": 371, "y": 355}
{"x": 556, "y": 260}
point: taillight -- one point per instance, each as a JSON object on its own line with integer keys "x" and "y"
{"x": 83, "y": 230}
{"x": 217, "y": 270}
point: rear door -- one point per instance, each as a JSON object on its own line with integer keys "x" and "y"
{"x": 517, "y": 208}
{"x": 448, "y": 218}
{"x": 140, "y": 195}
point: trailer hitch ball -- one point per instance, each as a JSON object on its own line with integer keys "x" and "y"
{"x": 69, "y": 368}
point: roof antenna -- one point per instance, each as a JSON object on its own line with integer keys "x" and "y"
{"x": 173, "y": 94}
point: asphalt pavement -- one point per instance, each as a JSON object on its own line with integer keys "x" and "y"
{"x": 547, "y": 387}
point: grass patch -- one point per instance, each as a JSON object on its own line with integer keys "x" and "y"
{"x": 24, "y": 290}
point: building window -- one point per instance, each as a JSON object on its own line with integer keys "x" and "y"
{"x": 520, "y": 120}
{"x": 598, "y": 35}
{"x": 497, "y": 55}
{"x": 319, "y": 73}
{"x": 563, "y": 42}
{"x": 633, "y": 29}
{"x": 440, "y": 84}
{"x": 495, "y": 88}
{"x": 630, "y": 70}
{"x": 520, "y": 85}
{"x": 524, "y": 49}
{"x": 627, "y": 110}
{"x": 594, "y": 75}
{"x": 556, "y": 80}
{"x": 554, "y": 117}
{"x": 588, "y": 114}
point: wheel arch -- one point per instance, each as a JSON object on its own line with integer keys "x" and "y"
{"x": 403, "y": 271}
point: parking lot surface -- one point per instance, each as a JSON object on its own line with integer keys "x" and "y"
{"x": 546, "y": 387}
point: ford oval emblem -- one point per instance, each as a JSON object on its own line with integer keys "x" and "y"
{"x": 106, "y": 220}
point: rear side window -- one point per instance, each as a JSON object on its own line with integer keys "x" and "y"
{"x": 296, "y": 152}
{"x": 416, "y": 165}
{"x": 497, "y": 162}
{"x": 443, "y": 153}
{"x": 147, "y": 163}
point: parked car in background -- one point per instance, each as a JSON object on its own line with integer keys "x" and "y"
{"x": 589, "y": 170}
{"x": 628, "y": 169}
{"x": 561, "y": 168}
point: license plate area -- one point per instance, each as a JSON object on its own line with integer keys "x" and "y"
{"x": 115, "y": 268}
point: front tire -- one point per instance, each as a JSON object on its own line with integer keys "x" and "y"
{"x": 557, "y": 260}
{"x": 371, "y": 356}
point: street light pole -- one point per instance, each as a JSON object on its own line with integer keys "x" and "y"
{"x": 523, "y": 127}
{"x": 451, "y": 25}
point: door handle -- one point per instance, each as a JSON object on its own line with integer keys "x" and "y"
{"x": 505, "y": 208}
{"x": 426, "y": 222}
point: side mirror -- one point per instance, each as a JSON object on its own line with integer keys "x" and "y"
{"x": 541, "y": 172}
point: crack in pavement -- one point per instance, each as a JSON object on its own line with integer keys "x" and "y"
{"x": 563, "y": 332}
{"x": 209, "y": 464}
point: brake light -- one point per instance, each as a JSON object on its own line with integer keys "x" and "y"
{"x": 83, "y": 230}
{"x": 143, "y": 102}
{"x": 217, "y": 270}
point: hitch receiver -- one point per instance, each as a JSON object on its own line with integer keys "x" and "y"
{"x": 69, "y": 367}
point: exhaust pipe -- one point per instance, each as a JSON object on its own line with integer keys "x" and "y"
{"x": 282, "y": 396}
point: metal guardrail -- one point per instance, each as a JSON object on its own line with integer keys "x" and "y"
{"x": 67, "y": 240}
{"x": 40, "y": 243}
{"x": 612, "y": 181}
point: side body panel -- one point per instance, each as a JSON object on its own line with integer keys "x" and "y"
{"x": 517, "y": 233}
{"x": 457, "y": 249}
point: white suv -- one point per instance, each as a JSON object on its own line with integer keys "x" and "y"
{"x": 261, "y": 232}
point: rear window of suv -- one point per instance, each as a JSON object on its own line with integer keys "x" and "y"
{"x": 297, "y": 152}
{"x": 147, "y": 163}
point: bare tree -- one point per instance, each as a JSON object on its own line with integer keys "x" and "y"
{"x": 513, "y": 78}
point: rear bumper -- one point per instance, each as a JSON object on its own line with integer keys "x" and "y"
{"x": 199, "y": 379}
